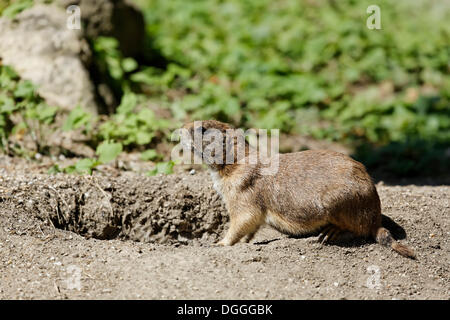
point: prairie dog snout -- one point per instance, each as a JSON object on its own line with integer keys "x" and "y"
{"x": 311, "y": 191}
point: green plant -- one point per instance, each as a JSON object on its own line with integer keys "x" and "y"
{"x": 132, "y": 125}
{"x": 151, "y": 155}
{"x": 11, "y": 8}
{"x": 83, "y": 166}
{"x": 106, "y": 152}
{"x": 259, "y": 62}
{"x": 162, "y": 168}
{"x": 111, "y": 64}
{"x": 303, "y": 67}
{"x": 79, "y": 118}
{"x": 269, "y": 63}
{"x": 22, "y": 112}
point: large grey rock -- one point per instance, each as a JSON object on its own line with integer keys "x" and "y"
{"x": 40, "y": 47}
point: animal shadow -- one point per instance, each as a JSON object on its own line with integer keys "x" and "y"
{"x": 394, "y": 228}
{"x": 264, "y": 242}
{"x": 348, "y": 239}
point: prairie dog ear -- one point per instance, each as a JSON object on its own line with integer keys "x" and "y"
{"x": 198, "y": 127}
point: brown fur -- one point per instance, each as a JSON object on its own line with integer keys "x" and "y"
{"x": 311, "y": 191}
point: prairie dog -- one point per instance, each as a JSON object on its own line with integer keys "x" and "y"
{"x": 311, "y": 191}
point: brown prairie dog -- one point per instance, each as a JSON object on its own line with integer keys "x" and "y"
{"x": 311, "y": 191}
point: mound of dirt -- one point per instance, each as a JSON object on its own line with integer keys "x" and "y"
{"x": 39, "y": 261}
{"x": 177, "y": 208}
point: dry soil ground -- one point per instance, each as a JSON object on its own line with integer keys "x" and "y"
{"x": 127, "y": 236}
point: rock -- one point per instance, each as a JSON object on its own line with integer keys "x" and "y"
{"x": 40, "y": 47}
{"x": 110, "y": 18}
{"x": 119, "y": 19}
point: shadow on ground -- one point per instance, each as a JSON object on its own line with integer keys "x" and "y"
{"x": 414, "y": 161}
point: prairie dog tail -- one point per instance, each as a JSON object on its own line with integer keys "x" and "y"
{"x": 384, "y": 237}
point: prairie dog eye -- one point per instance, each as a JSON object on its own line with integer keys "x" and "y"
{"x": 200, "y": 130}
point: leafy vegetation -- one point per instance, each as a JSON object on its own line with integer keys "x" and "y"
{"x": 131, "y": 125}
{"x": 309, "y": 67}
{"x": 162, "y": 168}
{"x": 22, "y": 112}
{"x": 24, "y": 115}
{"x": 10, "y": 8}
{"x": 305, "y": 67}
{"x": 113, "y": 67}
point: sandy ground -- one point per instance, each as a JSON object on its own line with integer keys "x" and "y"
{"x": 177, "y": 219}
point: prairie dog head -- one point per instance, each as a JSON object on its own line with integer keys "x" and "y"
{"x": 216, "y": 143}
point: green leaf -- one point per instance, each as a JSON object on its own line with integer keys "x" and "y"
{"x": 46, "y": 113}
{"x": 84, "y": 166}
{"x": 146, "y": 76}
{"x": 144, "y": 137}
{"x": 149, "y": 154}
{"x": 54, "y": 169}
{"x": 147, "y": 116}
{"x": 8, "y": 78}
{"x": 69, "y": 169}
{"x": 16, "y": 7}
{"x": 108, "y": 151}
{"x": 128, "y": 103}
{"x": 7, "y": 104}
{"x": 25, "y": 89}
{"x": 162, "y": 168}
{"x": 106, "y": 44}
{"x": 129, "y": 64}
{"x": 76, "y": 119}
{"x": 9, "y": 72}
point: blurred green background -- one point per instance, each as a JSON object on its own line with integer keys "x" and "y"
{"x": 309, "y": 68}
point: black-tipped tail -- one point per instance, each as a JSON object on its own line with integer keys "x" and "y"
{"x": 384, "y": 237}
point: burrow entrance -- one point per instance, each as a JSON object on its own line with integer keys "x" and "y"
{"x": 173, "y": 208}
